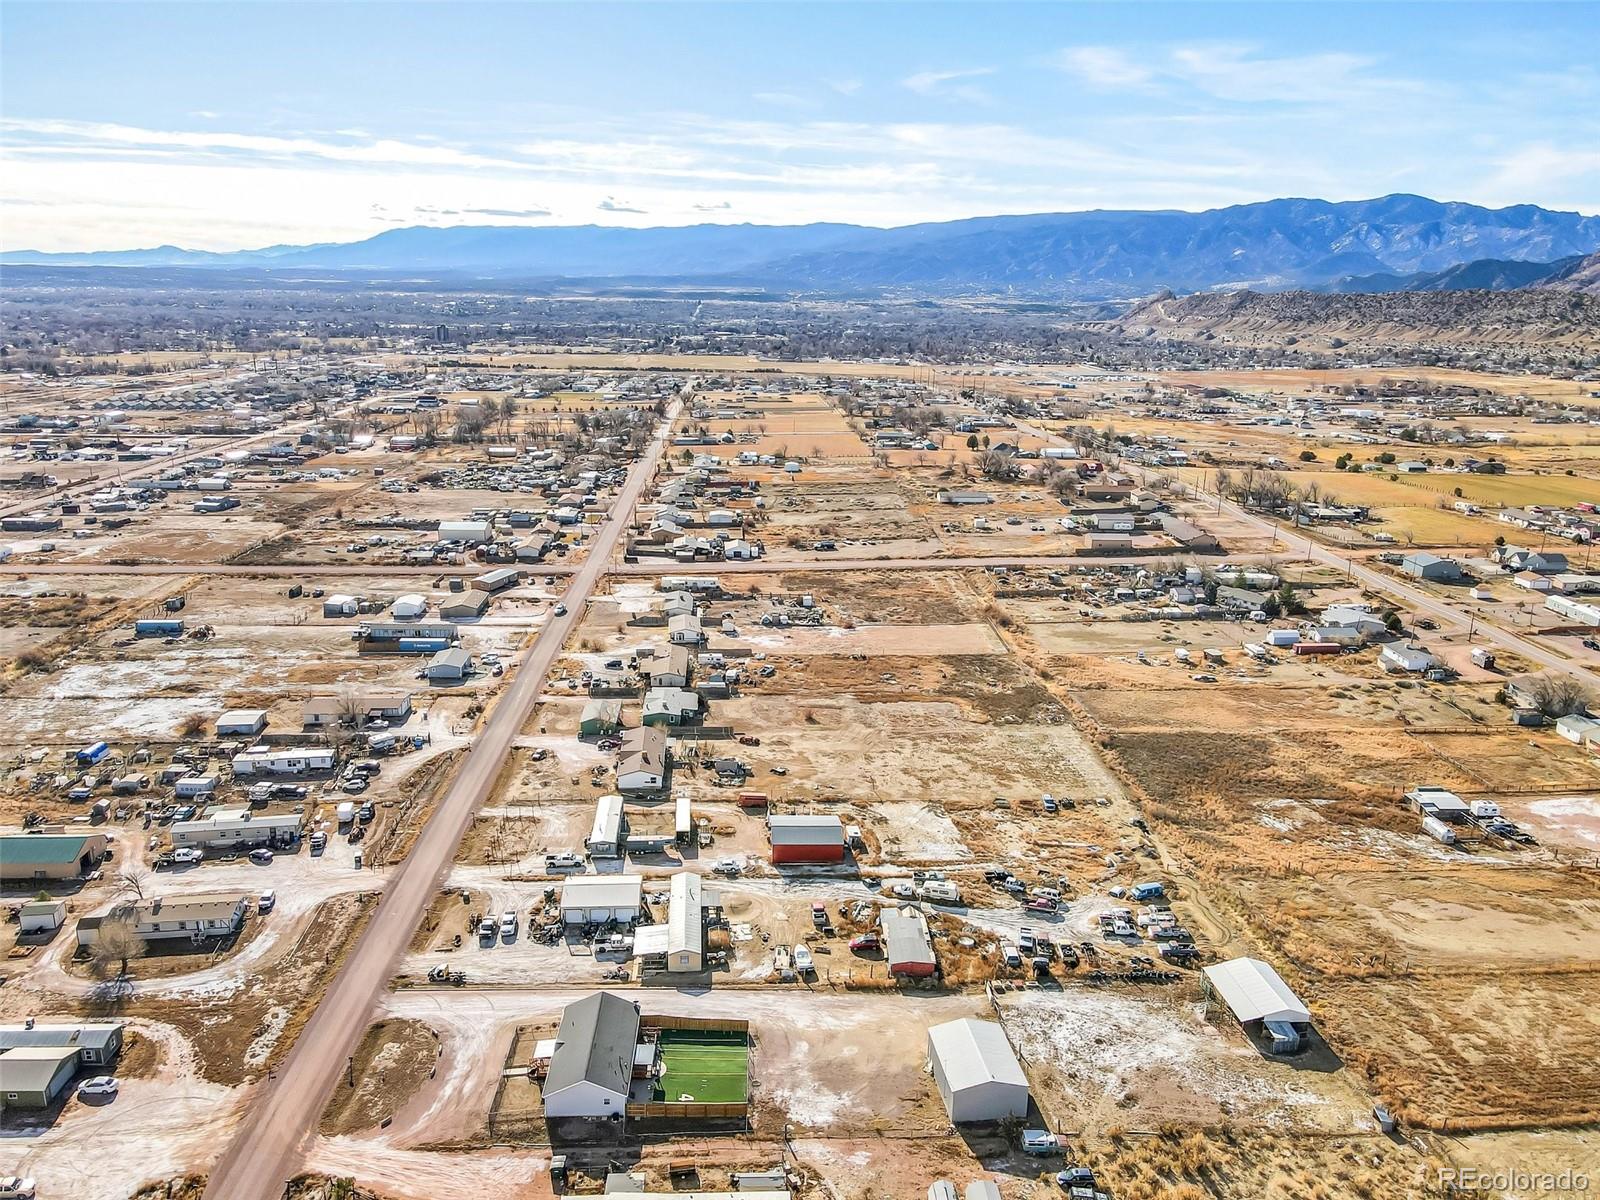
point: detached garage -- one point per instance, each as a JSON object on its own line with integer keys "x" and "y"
{"x": 34, "y": 1076}
{"x": 806, "y": 838}
{"x": 1261, "y": 1002}
{"x": 978, "y": 1076}
{"x": 597, "y": 899}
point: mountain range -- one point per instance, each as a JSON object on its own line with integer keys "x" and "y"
{"x": 1392, "y": 243}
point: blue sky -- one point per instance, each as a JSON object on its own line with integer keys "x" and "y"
{"x": 219, "y": 126}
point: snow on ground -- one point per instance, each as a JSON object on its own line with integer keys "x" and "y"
{"x": 260, "y": 1049}
{"x": 301, "y": 882}
{"x": 1105, "y": 1042}
{"x": 1576, "y": 816}
{"x": 156, "y": 1128}
{"x": 917, "y": 832}
{"x": 433, "y": 1175}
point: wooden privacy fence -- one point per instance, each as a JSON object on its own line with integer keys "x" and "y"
{"x": 681, "y": 1111}
{"x": 715, "y": 1024}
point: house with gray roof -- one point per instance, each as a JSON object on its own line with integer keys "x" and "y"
{"x": 591, "y": 1065}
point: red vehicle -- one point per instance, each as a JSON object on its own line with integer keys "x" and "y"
{"x": 1040, "y": 904}
{"x": 866, "y": 941}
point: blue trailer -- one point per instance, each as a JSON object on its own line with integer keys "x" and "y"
{"x": 422, "y": 645}
{"x": 89, "y": 755}
{"x": 161, "y": 628}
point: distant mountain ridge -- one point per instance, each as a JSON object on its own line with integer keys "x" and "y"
{"x": 1273, "y": 245}
{"x": 1486, "y": 274}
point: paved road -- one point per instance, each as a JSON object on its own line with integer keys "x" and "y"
{"x": 279, "y": 1124}
{"x": 1379, "y": 581}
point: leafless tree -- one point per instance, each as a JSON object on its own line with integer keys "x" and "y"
{"x": 1556, "y": 695}
{"x": 117, "y": 942}
{"x": 996, "y": 465}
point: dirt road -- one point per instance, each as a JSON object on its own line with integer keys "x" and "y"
{"x": 649, "y": 570}
{"x": 113, "y": 472}
{"x": 1377, "y": 581}
{"x": 276, "y": 1131}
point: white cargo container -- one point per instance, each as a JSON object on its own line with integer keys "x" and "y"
{"x": 1439, "y": 830}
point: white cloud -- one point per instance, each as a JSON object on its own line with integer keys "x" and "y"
{"x": 1547, "y": 169}
{"x": 516, "y": 213}
{"x": 1235, "y": 72}
{"x": 612, "y": 205}
{"x": 784, "y": 100}
{"x": 57, "y": 136}
{"x": 1102, "y": 66}
{"x": 948, "y": 83}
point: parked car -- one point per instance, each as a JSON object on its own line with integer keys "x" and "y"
{"x": 15, "y": 1187}
{"x": 355, "y": 785}
{"x": 1081, "y": 1177}
{"x": 488, "y": 930}
{"x": 100, "y": 1085}
{"x": 319, "y": 842}
{"x": 266, "y": 902}
{"x": 187, "y": 855}
{"x": 1010, "y": 955}
{"x": 562, "y": 862}
{"x": 725, "y": 866}
{"x": 1040, "y": 1141}
{"x": 819, "y": 914}
{"x": 866, "y": 941}
{"x": 803, "y": 961}
{"x": 508, "y": 923}
{"x": 261, "y": 856}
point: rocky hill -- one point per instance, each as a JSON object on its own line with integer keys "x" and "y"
{"x": 1543, "y": 317}
{"x": 1582, "y": 276}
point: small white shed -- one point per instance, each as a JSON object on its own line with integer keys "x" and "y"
{"x": 41, "y": 916}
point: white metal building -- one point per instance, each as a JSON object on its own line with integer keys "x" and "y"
{"x": 297, "y": 760}
{"x": 605, "y": 836}
{"x": 241, "y": 722}
{"x": 236, "y": 827}
{"x": 596, "y": 899}
{"x": 978, "y": 1076}
{"x": 1255, "y": 992}
{"x": 686, "y": 925}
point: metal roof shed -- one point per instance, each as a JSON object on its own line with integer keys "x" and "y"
{"x": 1255, "y": 992}
{"x": 686, "y": 937}
{"x": 976, "y": 1072}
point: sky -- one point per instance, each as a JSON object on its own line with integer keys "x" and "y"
{"x": 221, "y": 126}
